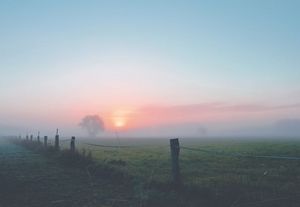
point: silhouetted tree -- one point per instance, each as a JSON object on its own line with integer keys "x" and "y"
{"x": 93, "y": 124}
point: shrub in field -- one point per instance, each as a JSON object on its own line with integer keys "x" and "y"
{"x": 74, "y": 158}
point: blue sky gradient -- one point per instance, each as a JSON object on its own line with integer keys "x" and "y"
{"x": 70, "y": 58}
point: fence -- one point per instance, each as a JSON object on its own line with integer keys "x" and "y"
{"x": 175, "y": 153}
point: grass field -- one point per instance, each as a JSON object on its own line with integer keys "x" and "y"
{"x": 215, "y": 176}
{"x": 28, "y": 179}
{"x": 235, "y": 180}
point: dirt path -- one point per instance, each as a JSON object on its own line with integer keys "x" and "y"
{"x": 29, "y": 179}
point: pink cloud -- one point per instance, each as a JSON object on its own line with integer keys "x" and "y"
{"x": 206, "y": 112}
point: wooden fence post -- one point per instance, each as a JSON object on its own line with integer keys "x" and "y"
{"x": 72, "y": 145}
{"x": 56, "y": 140}
{"x": 45, "y": 141}
{"x": 27, "y": 137}
{"x": 174, "y": 145}
{"x": 31, "y": 137}
{"x": 38, "y": 138}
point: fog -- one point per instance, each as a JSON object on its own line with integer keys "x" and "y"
{"x": 283, "y": 128}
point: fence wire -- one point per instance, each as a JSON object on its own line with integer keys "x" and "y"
{"x": 107, "y": 146}
{"x": 213, "y": 152}
{"x": 239, "y": 155}
{"x": 64, "y": 140}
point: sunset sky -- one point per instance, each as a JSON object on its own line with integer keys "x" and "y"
{"x": 149, "y": 67}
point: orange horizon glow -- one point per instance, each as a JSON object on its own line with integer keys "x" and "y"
{"x": 133, "y": 117}
{"x": 119, "y": 119}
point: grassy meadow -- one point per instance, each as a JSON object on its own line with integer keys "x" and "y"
{"x": 215, "y": 172}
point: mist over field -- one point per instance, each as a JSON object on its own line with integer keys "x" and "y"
{"x": 285, "y": 128}
{"x": 158, "y": 103}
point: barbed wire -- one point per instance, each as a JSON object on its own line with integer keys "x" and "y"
{"x": 216, "y": 153}
{"x": 240, "y": 155}
{"x": 121, "y": 146}
{"x": 64, "y": 140}
{"x": 107, "y": 146}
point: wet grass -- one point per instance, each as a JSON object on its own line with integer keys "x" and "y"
{"x": 210, "y": 178}
{"x": 225, "y": 180}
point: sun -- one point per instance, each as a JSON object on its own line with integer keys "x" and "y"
{"x": 120, "y": 118}
{"x": 119, "y": 122}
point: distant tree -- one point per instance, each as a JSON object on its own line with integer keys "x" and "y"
{"x": 93, "y": 124}
{"x": 202, "y": 130}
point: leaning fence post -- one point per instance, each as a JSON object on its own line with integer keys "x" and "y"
{"x": 72, "y": 145}
{"x": 56, "y": 140}
{"x": 38, "y": 138}
{"x": 174, "y": 145}
{"x": 45, "y": 141}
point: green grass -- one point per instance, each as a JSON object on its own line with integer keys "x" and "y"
{"x": 244, "y": 178}
{"x": 210, "y": 178}
{"x": 154, "y": 161}
{"x": 35, "y": 178}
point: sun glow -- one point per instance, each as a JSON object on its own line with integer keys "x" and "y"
{"x": 120, "y": 118}
{"x": 119, "y": 122}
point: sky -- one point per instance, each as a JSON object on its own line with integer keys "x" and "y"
{"x": 150, "y": 67}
